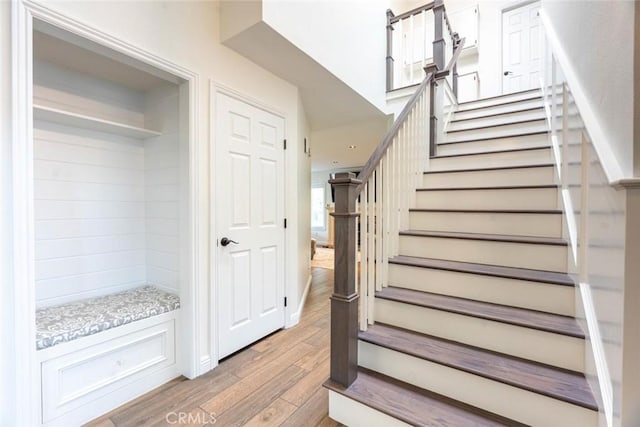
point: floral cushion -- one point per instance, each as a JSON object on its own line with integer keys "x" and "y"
{"x": 62, "y": 323}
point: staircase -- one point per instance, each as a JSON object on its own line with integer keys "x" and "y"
{"x": 476, "y": 326}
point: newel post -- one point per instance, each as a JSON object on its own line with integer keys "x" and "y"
{"x": 438, "y": 35}
{"x": 433, "y": 105}
{"x": 344, "y": 301}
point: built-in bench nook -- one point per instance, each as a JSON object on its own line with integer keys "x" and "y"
{"x": 66, "y": 322}
{"x": 113, "y": 226}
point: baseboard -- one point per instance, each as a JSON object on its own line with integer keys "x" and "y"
{"x": 602, "y": 369}
{"x": 572, "y": 225}
{"x": 295, "y": 317}
{"x": 205, "y": 364}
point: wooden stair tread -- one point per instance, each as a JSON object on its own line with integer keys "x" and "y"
{"x": 522, "y": 110}
{"x": 491, "y": 168}
{"x": 498, "y": 211}
{"x": 486, "y": 270}
{"x": 488, "y": 138}
{"x": 462, "y": 107}
{"x": 548, "y": 322}
{"x": 414, "y": 405}
{"x": 497, "y": 125}
{"x": 557, "y": 383}
{"x": 482, "y": 153}
{"x": 496, "y": 187}
{"x": 487, "y": 237}
{"x": 505, "y": 95}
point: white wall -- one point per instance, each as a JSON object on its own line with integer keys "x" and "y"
{"x": 603, "y": 61}
{"x": 187, "y": 34}
{"x": 348, "y": 38}
{"x": 303, "y": 218}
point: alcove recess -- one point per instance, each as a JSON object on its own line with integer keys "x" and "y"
{"x": 111, "y": 171}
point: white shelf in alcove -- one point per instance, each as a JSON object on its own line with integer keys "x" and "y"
{"x": 63, "y": 117}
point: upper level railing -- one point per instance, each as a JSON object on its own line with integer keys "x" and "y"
{"x": 373, "y": 207}
{"x": 414, "y": 39}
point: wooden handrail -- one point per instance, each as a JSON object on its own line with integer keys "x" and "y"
{"x": 373, "y": 161}
{"x": 375, "y": 158}
{"x": 453, "y": 61}
{"x": 416, "y": 11}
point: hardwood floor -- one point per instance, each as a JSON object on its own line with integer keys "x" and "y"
{"x": 275, "y": 382}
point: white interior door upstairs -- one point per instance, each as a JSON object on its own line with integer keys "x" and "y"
{"x": 521, "y": 48}
{"x": 250, "y": 214}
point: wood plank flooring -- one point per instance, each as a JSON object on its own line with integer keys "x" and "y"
{"x": 275, "y": 382}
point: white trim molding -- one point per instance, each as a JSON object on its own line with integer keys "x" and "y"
{"x": 602, "y": 370}
{"x": 27, "y": 387}
{"x": 626, "y": 183}
{"x": 295, "y": 317}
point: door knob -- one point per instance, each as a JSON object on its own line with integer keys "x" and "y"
{"x": 506, "y": 73}
{"x": 225, "y": 241}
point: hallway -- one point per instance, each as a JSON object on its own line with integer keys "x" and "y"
{"x": 276, "y": 381}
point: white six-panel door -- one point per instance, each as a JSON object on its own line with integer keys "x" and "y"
{"x": 249, "y": 206}
{"x": 521, "y": 48}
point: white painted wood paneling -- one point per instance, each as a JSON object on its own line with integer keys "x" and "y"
{"x": 162, "y": 160}
{"x": 107, "y": 207}
{"x": 89, "y": 213}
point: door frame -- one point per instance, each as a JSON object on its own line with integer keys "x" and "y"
{"x": 216, "y": 88}
{"x": 508, "y": 7}
{"x": 23, "y": 14}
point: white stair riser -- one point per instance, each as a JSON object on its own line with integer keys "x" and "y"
{"x": 497, "y": 144}
{"x": 508, "y": 254}
{"x": 540, "y": 346}
{"x": 509, "y": 401}
{"x": 496, "y": 131}
{"x": 497, "y": 109}
{"x": 519, "y": 224}
{"x": 545, "y": 297}
{"x": 491, "y": 102}
{"x": 517, "y": 116}
{"x": 491, "y": 178}
{"x": 509, "y": 158}
{"x": 351, "y": 413}
{"x": 517, "y": 198}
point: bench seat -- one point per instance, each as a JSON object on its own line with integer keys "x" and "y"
{"x": 67, "y": 322}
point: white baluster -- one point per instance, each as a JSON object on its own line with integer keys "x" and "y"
{"x": 380, "y": 237}
{"x": 364, "y": 311}
{"x": 385, "y": 219}
{"x": 371, "y": 250}
{"x": 411, "y": 48}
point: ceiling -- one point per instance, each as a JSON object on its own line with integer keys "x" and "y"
{"x": 330, "y": 147}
